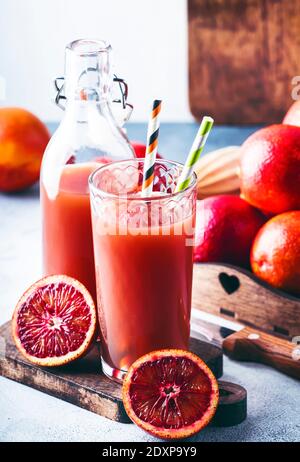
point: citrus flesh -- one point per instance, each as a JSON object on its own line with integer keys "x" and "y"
{"x": 170, "y": 394}
{"x": 54, "y": 322}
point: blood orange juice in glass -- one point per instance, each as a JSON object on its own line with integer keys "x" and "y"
{"x": 143, "y": 250}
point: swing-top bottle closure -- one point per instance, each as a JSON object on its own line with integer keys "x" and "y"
{"x": 91, "y": 126}
{"x": 88, "y": 76}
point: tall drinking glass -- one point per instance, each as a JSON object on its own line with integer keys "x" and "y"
{"x": 143, "y": 248}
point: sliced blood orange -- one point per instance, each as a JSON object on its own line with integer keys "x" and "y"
{"x": 54, "y": 321}
{"x": 170, "y": 393}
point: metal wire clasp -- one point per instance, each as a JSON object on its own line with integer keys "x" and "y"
{"x": 59, "y": 83}
{"x": 59, "y": 87}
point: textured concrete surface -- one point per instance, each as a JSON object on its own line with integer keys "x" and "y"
{"x": 29, "y": 415}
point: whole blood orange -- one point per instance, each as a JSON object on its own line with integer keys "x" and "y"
{"x": 292, "y": 117}
{"x": 270, "y": 169}
{"x": 54, "y": 321}
{"x": 23, "y": 139}
{"x": 170, "y": 393}
{"x": 225, "y": 229}
{"x": 275, "y": 255}
{"x": 140, "y": 149}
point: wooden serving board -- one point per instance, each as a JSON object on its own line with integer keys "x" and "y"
{"x": 82, "y": 382}
{"x": 238, "y": 295}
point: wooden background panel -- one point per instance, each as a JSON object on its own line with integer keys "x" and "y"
{"x": 242, "y": 57}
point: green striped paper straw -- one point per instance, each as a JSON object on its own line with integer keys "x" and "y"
{"x": 194, "y": 154}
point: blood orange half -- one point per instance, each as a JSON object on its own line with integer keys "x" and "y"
{"x": 54, "y": 321}
{"x": 170, "y": 394}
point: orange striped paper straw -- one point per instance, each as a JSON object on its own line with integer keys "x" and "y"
{"x": 151, "y": 150}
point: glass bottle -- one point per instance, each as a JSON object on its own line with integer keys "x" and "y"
{"x": 87, "y": 136}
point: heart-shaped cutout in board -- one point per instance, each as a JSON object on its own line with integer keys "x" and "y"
{"x": 229, "y": 283}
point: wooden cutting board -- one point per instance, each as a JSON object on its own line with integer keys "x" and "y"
{"x": 243, "y": 55}
{"x": 82, "y": 382}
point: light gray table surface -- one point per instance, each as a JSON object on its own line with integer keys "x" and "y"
{"x": 29, "y": 415}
